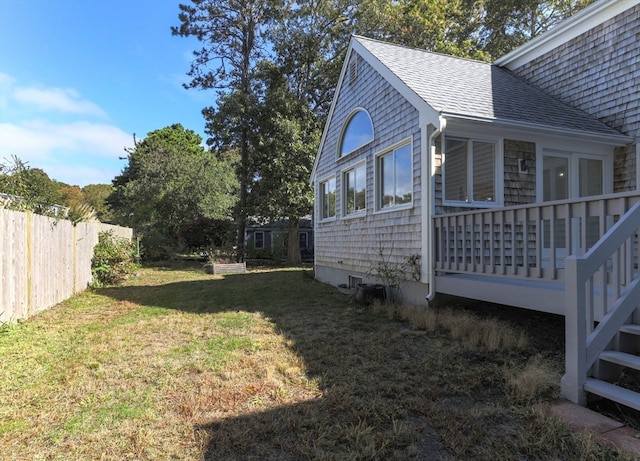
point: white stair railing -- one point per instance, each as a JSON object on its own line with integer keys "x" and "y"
{"x": 607, "y": 279}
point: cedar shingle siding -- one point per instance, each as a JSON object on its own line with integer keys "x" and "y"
{"x": 592, "y": 72}
{"x": 351, "y": 244}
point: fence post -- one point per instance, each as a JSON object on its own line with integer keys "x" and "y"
{"x": 572, "y": 386}
{"x": 29, "y": 263}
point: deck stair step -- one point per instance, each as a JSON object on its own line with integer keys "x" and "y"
{"x": 630, "y": 328}
{"x": 610, "y": 391}
{"x": 621, "y": 358}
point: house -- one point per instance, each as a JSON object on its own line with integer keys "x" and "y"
{"x": 516, "y": 182}
{"x": 270, "y": 240}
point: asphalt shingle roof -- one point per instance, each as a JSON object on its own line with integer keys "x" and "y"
{"x": 479, "y": 90}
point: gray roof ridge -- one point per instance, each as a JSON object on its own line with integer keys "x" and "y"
{"x": 423, "y": 50}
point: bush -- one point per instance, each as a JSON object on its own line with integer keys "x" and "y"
{"x": 113, "y": 260}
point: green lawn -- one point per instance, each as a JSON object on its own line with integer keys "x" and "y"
{"x": 270, "y": 365}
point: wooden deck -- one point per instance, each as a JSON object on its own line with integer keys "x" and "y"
{"x": 577, "y": 258}
{"x": 516, "y": 255}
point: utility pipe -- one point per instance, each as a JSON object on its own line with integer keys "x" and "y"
{"x": 428, "y": 228}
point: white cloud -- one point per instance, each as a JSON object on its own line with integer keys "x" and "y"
{"x": 40, "y": 139}
{"x": 69, "y": 145}
{"x": 66, "y": 100}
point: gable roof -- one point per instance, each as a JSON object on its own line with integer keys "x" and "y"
{"x": 474, "y": 90}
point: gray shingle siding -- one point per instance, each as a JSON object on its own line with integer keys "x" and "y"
{"x": 599, "y": 72}
{"x": 352, "y": 244}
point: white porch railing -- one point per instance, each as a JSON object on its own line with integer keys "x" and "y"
{"x": 528, "y": 241}
{"x": 607, "y": 277}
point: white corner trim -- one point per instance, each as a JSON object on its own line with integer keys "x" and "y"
{"x": 581, "y": 22}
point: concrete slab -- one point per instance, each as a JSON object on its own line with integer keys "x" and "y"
{"x": 606, "y": 429}
{"x": 579, "y": 417}
{"x": 625, "y": 439}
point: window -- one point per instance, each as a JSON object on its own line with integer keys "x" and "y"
{"x": 328, "y": 198}
{"x": 258, "y": 238}
{"x": 470, "y": 171}
{"x": 395, "y": 177}
{"x": 569, "y": 175}
{"x": 357, "y": 131}
{"x": 354, "y": 181}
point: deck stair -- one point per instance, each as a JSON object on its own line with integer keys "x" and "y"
{"x": 614, "y": 361}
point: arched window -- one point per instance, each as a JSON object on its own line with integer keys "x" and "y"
{"x": 357, "y": 131}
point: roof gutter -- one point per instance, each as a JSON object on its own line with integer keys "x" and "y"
{"x": 615, "y": 139}
{"x": 427, "y": 220}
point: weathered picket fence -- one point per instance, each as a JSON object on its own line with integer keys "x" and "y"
{"x": 44, "y": 260}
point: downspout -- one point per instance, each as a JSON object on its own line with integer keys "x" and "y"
{"x": 427, "y": 221}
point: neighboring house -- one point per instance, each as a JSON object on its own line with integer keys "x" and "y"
{"x": 491, "y": 175}
{"x": 270, "y": 240}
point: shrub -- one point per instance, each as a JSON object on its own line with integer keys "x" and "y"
{"x": 113, "y": 260}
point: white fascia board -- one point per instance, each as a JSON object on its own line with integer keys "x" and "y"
{"x": 345, "y": 64}
{"x": 612, "y": 139}
{"x": 581, "y": 22}
{"x": 425, "y": 111}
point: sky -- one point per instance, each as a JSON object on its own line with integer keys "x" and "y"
{"x": 79, "y": 77}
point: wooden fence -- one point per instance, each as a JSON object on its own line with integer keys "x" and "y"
{"x": 44, "y": 261}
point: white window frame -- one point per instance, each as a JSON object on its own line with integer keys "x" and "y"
{"x": 378, "y": 177}
{"x": 345, "y": 189}
{"x": 321, "y": 199}
{"x": 339, "y": 154}
{"x": 498, "y": 179}
{"x": 574, "y": 168}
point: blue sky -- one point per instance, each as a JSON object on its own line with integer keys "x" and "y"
{"x": 79, "y": 77}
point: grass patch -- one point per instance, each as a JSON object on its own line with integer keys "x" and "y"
{"x": 178, "y": 364}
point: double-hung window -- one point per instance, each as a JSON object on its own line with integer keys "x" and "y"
{"x": 470, "y": 173}
{"x": 354, "y": 184}
{"x": 328, "y": 198}
{"x": 394, "y": 172}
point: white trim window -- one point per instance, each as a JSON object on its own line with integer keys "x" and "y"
{"x": 572, "y": 174}
{"x": 394, "y": 177}
{"x": 354, "y": 181}
{"x": 470, "y": 172}
{"x": 357, "y": 132}
{"x": 327, "y": 198}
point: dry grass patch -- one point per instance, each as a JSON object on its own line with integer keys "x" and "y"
{"x": 535, "y": 382}
{"x": 267, "y": 365}
{"x": 471, "y": 330}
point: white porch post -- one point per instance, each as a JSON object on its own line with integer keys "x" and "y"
{"x": 572, "y": 386}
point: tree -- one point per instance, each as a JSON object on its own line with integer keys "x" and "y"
{"x": 444, "y": 26}
{"x": 73, "y": 198}
{"x": 234, "y": 34}
{"x": 510, "y": 23}
{"x": 170, "y": 180}
{"x": 36, "y": 190}
{"x": 287, "y": 136}
{"x": 96, "y": 195}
